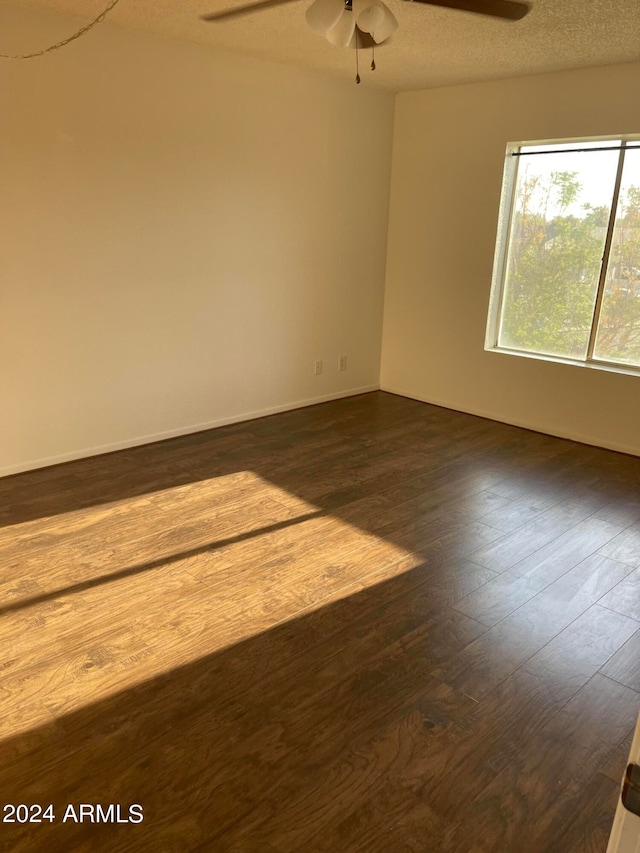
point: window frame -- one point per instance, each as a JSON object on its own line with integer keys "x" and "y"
{"x": 502, "y": 254}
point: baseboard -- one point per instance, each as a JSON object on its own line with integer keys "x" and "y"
{"x": 47, "y": 461}
{"x": 491, "y": 416}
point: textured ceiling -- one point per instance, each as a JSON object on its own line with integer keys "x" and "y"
{"x": 432, "y": 47}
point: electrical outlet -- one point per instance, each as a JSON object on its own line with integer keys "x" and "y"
{"x": 318, "y": 367}
{"x": 342, "y": 362}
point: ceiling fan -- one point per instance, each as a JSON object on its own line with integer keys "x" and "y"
{"x": 367, "y": 23}
{"x": 511, "y": 10}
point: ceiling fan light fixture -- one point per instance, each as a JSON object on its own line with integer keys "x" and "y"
{"x": 336, "y": 20}
{"x": 388, "y": 26}
{"x": 323, "y": 15}
{"x": 371, "y": 17}
{"x": 342, "y": 32}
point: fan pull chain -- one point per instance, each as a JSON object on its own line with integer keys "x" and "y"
{"x": 373, "y": 58}
{"x": 357, "y": 68}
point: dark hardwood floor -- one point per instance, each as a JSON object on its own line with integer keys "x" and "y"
{"x": 372, "y": 625}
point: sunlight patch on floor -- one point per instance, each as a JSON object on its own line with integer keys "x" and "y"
{"x": 104, "y": 598}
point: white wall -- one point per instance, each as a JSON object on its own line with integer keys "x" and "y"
{"x": 448, "y": 157}
{"x": 183, "y": 232}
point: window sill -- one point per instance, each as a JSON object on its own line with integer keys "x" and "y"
{"x": 608, "y": 367}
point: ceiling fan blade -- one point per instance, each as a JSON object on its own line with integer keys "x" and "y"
{"x": 245, "y": 9}
{"x": 511, "y": 10}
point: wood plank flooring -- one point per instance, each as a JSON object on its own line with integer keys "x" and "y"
{"x": 371, "y": 625}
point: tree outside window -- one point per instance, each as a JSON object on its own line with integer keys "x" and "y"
{"x": 570, "y": 286}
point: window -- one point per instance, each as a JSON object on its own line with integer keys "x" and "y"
{"x": 567, "y": 271}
